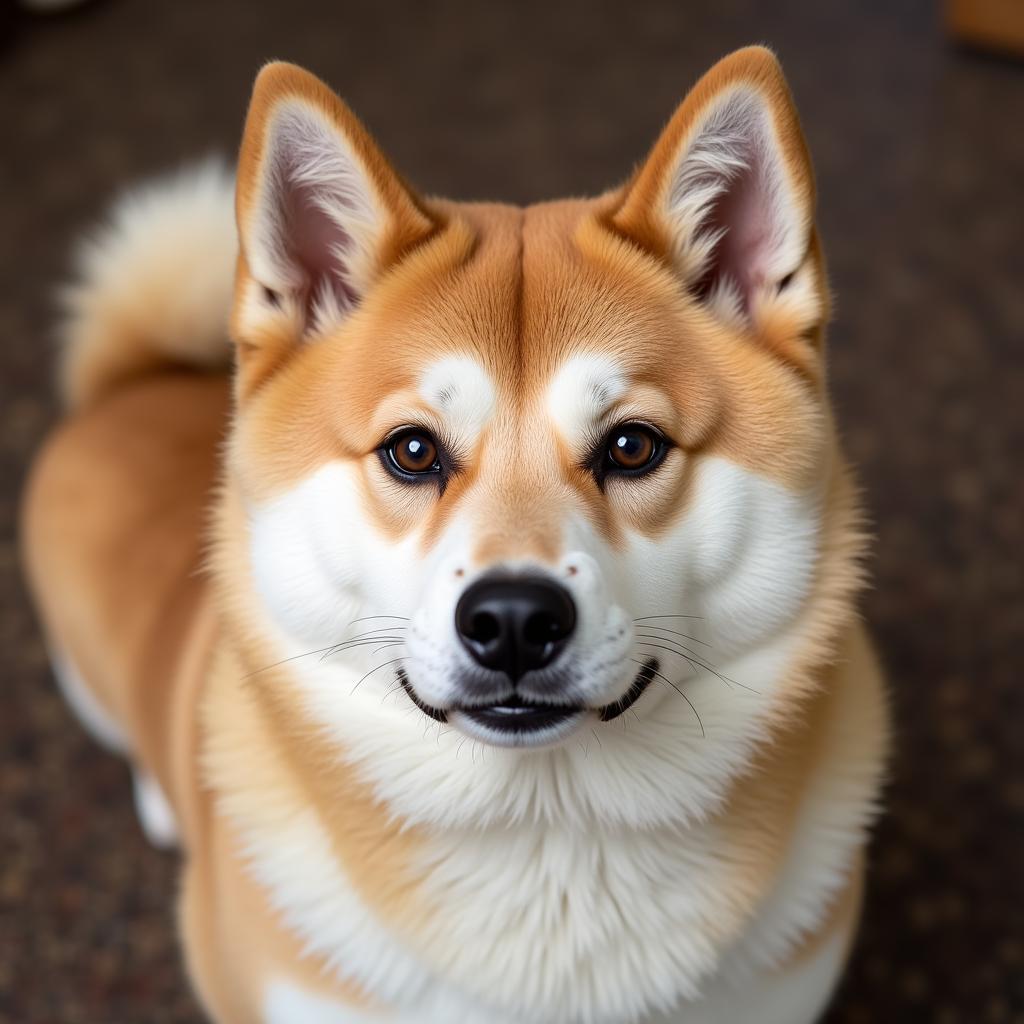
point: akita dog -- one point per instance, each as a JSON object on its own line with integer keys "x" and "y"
{"x": 487, "y": 637}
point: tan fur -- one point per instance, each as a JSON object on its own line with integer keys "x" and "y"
{"x": 119, "y": 506}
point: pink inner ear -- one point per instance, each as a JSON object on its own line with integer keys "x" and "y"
{"x": 742, "y": 215}
{"x": 315, "y": 244}
{"x": 314, "y": 202}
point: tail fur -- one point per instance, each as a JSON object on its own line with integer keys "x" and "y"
{"x": 153, "y": 286}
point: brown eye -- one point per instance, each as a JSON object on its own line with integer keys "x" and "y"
{"x": 414, "y": 453}
{"x": 634, "y": 448}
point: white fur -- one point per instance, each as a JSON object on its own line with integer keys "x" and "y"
{"x": 581, "y": 391}
{"x": 139, "y": 274}
{"x": 151, "y": 805}
{"x": 284, "y": 1002}
{"x": 462, "y": 392}
{"x": 319, "y": 563}
{"x": 147, "y": 252}
{"x": 798, "y": 995}
{"x": 154, "y": 810}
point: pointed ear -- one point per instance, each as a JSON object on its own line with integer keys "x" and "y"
{"x": 727, "y": 194}
{"x": 321, "y": 214}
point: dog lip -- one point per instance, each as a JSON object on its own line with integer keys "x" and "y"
{"x": 643, "y": 679}
{"x": 512, "y": 714}
{"x": 515, "y": 715}
{"x": 431, "y": 712}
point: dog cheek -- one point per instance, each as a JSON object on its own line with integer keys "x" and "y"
{"x": 296, "y": 585}
{"x": 317, "y": 563}
{"x": 750, "y": 550}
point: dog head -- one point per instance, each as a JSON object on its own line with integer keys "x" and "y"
{"x": 545, "y": 478}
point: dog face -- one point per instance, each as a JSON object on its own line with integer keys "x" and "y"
{"x": 528, "y": 473}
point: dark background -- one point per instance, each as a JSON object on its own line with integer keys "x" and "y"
{"x": 920, "y": 156}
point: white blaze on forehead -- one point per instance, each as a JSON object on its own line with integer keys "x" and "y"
{"x": 462, "y": 391}
{"x": 582, "y": 390}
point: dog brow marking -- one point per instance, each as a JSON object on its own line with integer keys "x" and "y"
{"x": 580, "y": 391}
{"x": 461, "y": 388}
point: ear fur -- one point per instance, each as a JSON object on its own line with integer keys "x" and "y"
{"x": 321, "y": 213}
{"x": 727, "y": 194}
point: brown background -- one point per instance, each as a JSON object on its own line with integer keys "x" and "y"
{"x": 920, "y": 156}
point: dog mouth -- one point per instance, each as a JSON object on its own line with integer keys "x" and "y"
{"x": 514, "y": 721}
{"x": 516, "y": 718}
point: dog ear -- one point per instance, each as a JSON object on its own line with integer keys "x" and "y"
{"x": 727, "y": 194}
{"x": 321, "y": 213}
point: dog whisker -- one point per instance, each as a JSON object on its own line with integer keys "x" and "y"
{"x": 675, "y": 632}
{"x": 696, "y": 662}
{"x": 395, "y": 643}
{"x": 679, "y": 654}
{"x": 394, "y": 661}
{"x": 692, "y": 656}
{"x": 376, "y": 636}
{"x": 284, "y": 661}
{"x": 380, "y": 629}
{"x": 368, "y": 618}
{"x": 394, "y": 689}
{"x": 668, "y": 640}
{"x": 363, "y": 641}
{"x": 659, "y": 675}
{"x": 337, "y": 646}
{"x": 644, "y": 618}
{"x": 350, "y": 644}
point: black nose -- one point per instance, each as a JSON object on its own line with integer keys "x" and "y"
{"x": 512, "y": 624}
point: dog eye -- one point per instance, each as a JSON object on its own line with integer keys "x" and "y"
{"x": 413, "y": 453}
{"x": 633, "y": 449}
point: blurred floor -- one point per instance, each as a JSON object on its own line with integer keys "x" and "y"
{"x": 920, "y": 156}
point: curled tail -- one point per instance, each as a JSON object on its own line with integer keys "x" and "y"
{"x": 153, "y": 287}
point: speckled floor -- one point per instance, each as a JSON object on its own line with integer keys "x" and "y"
{"x": 920, "y": 155}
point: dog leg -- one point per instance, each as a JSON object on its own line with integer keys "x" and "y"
{"x": 154, "y": 811}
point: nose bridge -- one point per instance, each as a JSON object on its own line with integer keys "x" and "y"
{"x": 521, "y": 513}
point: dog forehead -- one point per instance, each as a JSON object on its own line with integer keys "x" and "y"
{"x": 527, "y": 324}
